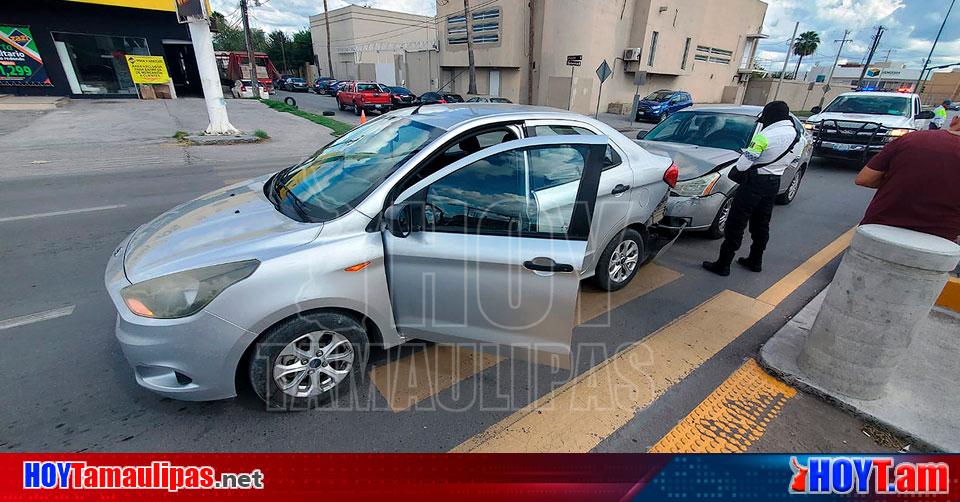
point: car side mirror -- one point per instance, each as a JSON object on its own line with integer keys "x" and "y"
{"x": 642, "y": 134}
{"x": 397, "y": 220}
{"x": 925, "y": 115}
{"x": 815, "y": 110}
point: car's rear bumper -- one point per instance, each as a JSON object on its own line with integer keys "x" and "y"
{"x": 377, "y": 107}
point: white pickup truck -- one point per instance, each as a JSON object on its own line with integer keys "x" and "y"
{"x": 856, "y": 125}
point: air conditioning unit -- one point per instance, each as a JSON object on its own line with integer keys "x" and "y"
{"x": 631, "y": 54}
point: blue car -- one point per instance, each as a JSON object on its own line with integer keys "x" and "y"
{"x": 660, "y": 104}
{"x": 333, "y": 87}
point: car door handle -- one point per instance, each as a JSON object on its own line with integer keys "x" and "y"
{"x": 546, "y": 265}
{"x": 619, "y": 189}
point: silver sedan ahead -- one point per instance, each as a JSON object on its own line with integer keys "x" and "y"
{"x": 452, "y": 223}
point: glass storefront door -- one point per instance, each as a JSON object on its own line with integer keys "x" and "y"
{"x": 98, "y": 61}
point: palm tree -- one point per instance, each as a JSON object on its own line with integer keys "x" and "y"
{"x": 806, "y": 45}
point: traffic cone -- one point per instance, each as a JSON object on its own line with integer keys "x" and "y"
{"x": 363, "y": 117}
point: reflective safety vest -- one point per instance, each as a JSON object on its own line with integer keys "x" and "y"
{"x": 767, "y": 145}
{"x": 940, "y": 116}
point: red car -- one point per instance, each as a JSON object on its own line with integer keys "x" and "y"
{"x": 369, "y": 96}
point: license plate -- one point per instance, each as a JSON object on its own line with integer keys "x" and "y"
{"x": 841, "y": 148}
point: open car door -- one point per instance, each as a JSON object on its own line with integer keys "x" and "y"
{"x": 489, "y": 249}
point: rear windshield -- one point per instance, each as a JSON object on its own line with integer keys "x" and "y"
{"x": 369, "y": 87}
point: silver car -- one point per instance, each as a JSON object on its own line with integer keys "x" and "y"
{"x": 705, "y": 142}
{"x": 447, "y": 223}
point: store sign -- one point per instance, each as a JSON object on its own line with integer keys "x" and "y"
{"x": 20, "y": 62}
{"x": 147, "y": 69}
{"x": 192, "y": 10}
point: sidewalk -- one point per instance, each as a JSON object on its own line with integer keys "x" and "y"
{"x": 82, "y": 136}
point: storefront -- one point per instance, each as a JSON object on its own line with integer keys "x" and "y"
{"x": 77, "y": 47}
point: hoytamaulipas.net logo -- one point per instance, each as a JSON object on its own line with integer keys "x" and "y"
{"x": 159, "y": 475}
{"x": 869, "y": 475}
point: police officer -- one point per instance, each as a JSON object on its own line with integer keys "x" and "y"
{"x": 761, "y": 165}
{"x": 940, "y": 115}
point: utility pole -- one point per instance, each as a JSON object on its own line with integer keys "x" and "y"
{"x": 873, "y": 49}
{"x": 326, "y": 22}
{"x": 472, "y": 68}
{"x": 836, "y": 61}
{"x": 254, "y": 81}
{"x": 786, "y": 60}
{"x": 531, "y": 44}
{"x": 916, "y": 88}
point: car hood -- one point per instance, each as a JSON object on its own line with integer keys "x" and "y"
{"x": 231, "y": 224}
{"x": 891, "y": 121}
{"x": 651, "y": 104}
{"x": 692, "y": 160}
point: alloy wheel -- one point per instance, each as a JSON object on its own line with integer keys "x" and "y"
{"x": 313, "y": 363}
{"x": 623, "y": 261}
{"x": 723, "y": 216}
{"x": 794, "y": 186}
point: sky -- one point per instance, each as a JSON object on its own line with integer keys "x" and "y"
{"x": 911, "y": 25}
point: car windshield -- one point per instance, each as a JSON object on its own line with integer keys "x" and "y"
{"x": 658, "y": 96}
{"x": 400, "y": 90}
{"x": 499, "y": 100}
{"x": 340, "y": 175}
{"x": 872, "y": 105}
{"x": 455, "y": 98}
{"x": 729, "y": 131}
{"x": 297, "y": 80}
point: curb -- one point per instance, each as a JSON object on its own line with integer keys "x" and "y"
{"x": 950, "y": 297}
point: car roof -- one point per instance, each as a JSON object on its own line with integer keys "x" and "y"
{"x": 448, "y": 116}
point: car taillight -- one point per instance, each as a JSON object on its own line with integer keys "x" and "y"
{"x": 442, "y": 101}
{"x": 671, "y": 174}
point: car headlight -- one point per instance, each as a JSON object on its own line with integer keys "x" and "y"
{"x": 896, "y": 133}
{"x": 810, "y": 126}
{"x": 697, "y": 186}
{"x": 184, "y": 293}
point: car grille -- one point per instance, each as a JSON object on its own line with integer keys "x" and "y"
{"x": 851, "y": 133}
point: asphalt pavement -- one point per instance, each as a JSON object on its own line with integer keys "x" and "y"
{"x": 68, "y": 387}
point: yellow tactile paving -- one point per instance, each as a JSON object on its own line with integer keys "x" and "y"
{"x": 732, "y": 417}
{"x": 413, "y": 378}
{"x": 422, "y": 374}
{"x": 581, "y": 413}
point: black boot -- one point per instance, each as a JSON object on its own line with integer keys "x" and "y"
{"x": 750, "y": 264}
{"x": 717, "y": 267}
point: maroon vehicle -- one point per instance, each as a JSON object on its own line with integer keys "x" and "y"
{"x": 369, "y": 96}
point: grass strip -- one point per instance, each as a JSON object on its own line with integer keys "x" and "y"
{"x": 334, "y": 125}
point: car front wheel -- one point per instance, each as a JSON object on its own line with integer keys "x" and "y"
{"x": 720, "y": 220}
{"x": 309, "y": 360}
{"x": 620, "y": 260}
{"x": 791, "y": 193}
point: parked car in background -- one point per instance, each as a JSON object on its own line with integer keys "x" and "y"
{"x": 704, "y": 143}
{"x": 279, "y": 81}
{"x": 432, "y": 98}
{"x": 296, "y": 84}
{"x": 488, "y": 99}
{"x": 333, "y": 88}
{"x": 857, "y": 125}
{"x": 659, "y": 105}
{"x": 320, "y": 85}
{"x": 359, "y": 96}
{"x": 401, "y": 96}
{"x": 292, "y": 268}
{"x": 452, "y": 98}
{"x": 243, "y": 89}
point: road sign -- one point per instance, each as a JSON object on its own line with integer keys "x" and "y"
{"x": 574, "y": 59}
{"x": 147, "y": 69}
{"x": 604, "y": 71}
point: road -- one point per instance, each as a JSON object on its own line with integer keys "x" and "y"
{"x": 68, "y": 387}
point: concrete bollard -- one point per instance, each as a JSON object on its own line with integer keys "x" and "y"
{"x": 886, "y": 284}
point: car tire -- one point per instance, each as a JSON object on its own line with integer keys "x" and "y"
{"x": 791, "y": 193}
{"x": 304, "y": 337}
{"x": 720, "y": 220}
{"x": 626, "y": 252}
{"x": 340, "y": 106}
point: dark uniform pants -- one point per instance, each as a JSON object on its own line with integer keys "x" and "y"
{"x": 752, "y": 205}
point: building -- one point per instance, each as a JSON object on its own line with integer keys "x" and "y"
{"x": 705, "y": 48}
{"x": 76, "y": 47}
{"x": 941, "y": 86}
{"x": 883, "y": 76}
{"x": 372, "y": 44}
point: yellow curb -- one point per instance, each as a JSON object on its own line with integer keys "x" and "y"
{"x": 950, "y": 297}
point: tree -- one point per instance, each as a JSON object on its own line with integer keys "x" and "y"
{"x": 806, "y": 45}
{"x": 301, "y": 48}
{"x": 230, "y": 37}
{"x": 277, "y": 51}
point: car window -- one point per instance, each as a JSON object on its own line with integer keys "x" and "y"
{"x": 336, "y": 178}
{"x": 729, "y": 131}
{"x": 529, "y": 192}
{"x": 473, "y": 100}
{"x": 368, "y": 87}
{"x": 610, "y": 157}
{"x": 499, "y": 100}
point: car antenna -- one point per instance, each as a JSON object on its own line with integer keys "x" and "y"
{"x": 417, "y": 110}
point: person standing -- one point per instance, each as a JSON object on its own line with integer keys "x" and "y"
{"x": 917, "y": 178}
{"x": 940, "y": 115}
{"x": 761, "y": 164}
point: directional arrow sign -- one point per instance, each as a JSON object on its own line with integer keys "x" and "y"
{"x": 604, "y": 71}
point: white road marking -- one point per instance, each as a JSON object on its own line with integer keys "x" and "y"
{"x": 37, "y": 317}
{"x": 60, "y": 213}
